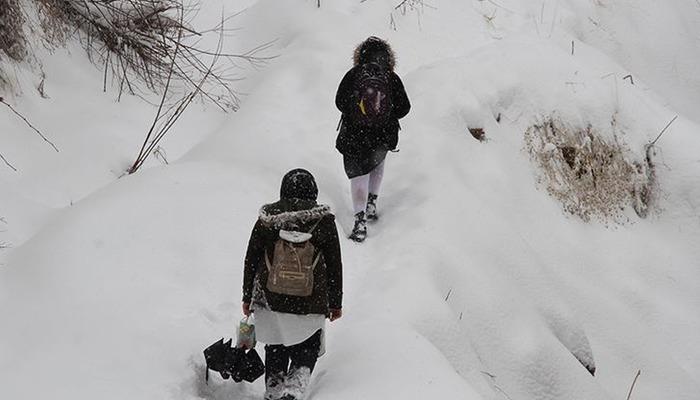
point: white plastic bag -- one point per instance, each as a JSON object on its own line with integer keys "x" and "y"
{"x": 246, "y": 334}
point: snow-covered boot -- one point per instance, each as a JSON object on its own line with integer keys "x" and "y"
{"x": 274, "y": 387}
{"x": 372, "y": 207}
{"x": 359, "y": 231}
{"x": 296, "y": 384}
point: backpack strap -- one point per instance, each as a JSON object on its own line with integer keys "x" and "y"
{"x": 318, "y": 255}
{"x": 315, "y": 225}
{"x": 340, "y": 122}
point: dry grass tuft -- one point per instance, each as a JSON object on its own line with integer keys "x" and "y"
{"x": 592, "y": 177}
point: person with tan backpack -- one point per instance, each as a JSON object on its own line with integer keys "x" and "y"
{"x": 292, "y": 282}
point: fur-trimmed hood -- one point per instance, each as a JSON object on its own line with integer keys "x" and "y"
{"x": 279, "y": 215}
{"x": 373, "y": 48}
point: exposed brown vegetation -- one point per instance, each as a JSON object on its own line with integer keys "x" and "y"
{"x": 134, "y": 42}
{"x": 11, "y": 37}
{"x": 478, "y": 134}
{"x": 142, "y": 46}
{"x": 591, "y": 177}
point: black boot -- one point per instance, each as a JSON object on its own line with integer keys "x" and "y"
{"x": 274, "y": 387}
{"x": 359, "y": 231}
{"x": 371, "y": 213}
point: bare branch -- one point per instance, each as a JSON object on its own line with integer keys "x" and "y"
{"x": 663, "y": 130}
{"x": 7, "y": 163}
{"x": 168, "y": 119}
{"x": 629, "y": 395}
{"x": 140, "y": 156}
{"x": 29, "y": 124}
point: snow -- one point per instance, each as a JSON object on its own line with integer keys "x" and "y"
{"x": 474, "y": 284}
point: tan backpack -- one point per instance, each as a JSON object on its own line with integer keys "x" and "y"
{"x": 291, "y": 271}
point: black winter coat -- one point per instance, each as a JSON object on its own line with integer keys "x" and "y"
{"x": 299, "y": 215}
{"x": 357, "y": 141}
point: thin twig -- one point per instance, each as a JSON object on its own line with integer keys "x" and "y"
{"x": 104, "y": 78}
{"x": 400, "y": 4}
{"x": 28, "y": 123}
{"x": 639, "y": 372}
{"x": 663, "y": 130}
{"x": 164, "y": 121}
{"x": 502, "y": 391}
{"x": 542, "y": 13}
{"x": 495, "y": 386}
{"x": 554, "y": 18}
{"x": 143, "y": 151}
{"x": 490, "y": 375}
{"x": 500, "y": 6}
{"x": 7, "y": 162}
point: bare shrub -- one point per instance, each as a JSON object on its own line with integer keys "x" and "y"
{"x": 53, "y": 22}
{"x": 411, "y": 5}
{"x": 134, "y": 42}
{"x": 405, "y": 7}
{"x": 11, "y": 36}
{"x": 592, "y": 177}
{"x": 144, "y": 43}
{"x": 140, "y": 44}
{"x": 126, "y": 37}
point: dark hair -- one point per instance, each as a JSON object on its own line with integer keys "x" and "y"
{"x": 298, "y": 184}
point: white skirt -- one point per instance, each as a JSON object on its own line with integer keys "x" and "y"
{"x": 287, "y": 329}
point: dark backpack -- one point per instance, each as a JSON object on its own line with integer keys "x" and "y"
{"x": 372, "y": 103}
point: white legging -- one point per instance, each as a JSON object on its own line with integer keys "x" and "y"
{"x": 362, "y": 186}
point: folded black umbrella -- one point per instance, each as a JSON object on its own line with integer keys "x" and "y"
{"x": 233, "y": 362}
{"x": 253, "y": 367}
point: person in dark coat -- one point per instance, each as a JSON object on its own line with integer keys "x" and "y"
{"x": 291, "y": 326}
{"x": 363, "y": 147}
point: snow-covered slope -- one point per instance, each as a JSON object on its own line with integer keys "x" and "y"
{"x": 473, "y": 285}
